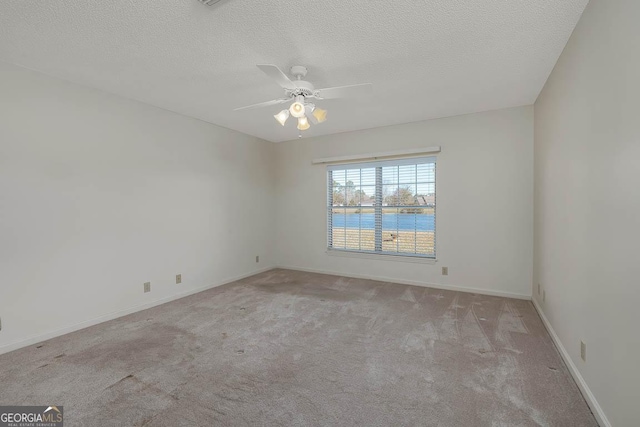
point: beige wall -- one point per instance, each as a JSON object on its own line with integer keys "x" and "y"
{"x": 587, "y": 203}
{"x": 484, "y": 191}
{"x": 100, "y": 194}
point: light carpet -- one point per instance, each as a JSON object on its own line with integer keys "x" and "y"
{"x": 293, "y": 348}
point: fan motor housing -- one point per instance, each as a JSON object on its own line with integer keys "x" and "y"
{"x": 303, "y": 88}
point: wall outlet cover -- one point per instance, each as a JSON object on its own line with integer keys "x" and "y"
{"x": 583, "y": 351}
{"x": 445, "y": 271}
{"x": 178, "y": 278}
{"x": 147, "y": 287}
{"x": 257, "y": 258}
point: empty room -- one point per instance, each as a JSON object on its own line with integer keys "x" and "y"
{"x": 319, "y": 213}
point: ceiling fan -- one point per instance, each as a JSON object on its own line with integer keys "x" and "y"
{"x": 301, "y": 93}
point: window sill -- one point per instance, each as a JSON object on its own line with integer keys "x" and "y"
{"x": 381, "y": 257}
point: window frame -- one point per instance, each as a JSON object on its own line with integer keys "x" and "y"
{"x": 378, "y": 208}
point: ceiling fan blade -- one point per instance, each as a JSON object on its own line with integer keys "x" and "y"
{"x": 263, "y": 104}
{"x": 278, "y": 75}
{"x": 345, "y": 91}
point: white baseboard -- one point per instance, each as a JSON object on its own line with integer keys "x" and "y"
{"x": 582, "y": 385}
{"x": 114, "y": 315}
{"x": 413, "y": 283}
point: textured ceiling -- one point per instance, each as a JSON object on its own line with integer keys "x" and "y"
{"x": 426, "y": 58}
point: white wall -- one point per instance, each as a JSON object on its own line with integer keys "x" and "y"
{"x": 484, "y": 231}
{"x": 587, "y": 199}
{"x": 99, "y": 194}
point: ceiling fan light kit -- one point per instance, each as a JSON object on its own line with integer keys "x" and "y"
{"x": 297, "y": 108}
{"x": 300, "y": 92}
{"x": 320, "y": 115}
{"x": 282, "y": 117}
{"x": 303, "y": 123}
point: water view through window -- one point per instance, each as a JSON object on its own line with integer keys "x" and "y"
{"x": 383, "y": 207}
{"x": 390, "y": 221}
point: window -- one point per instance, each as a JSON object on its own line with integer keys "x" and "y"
{"x": 385, "y": 207}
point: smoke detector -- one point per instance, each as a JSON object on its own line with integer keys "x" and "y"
{"x": 209, "y": 2}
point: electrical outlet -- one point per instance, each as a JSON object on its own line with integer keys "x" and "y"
{"x": 257, "y": 258}
{"x": 583, "y": 351}
{"x": 538, "y": 288}
{"x": 445, "y": 271}
{"x": 178, "y": 278}
{"x": 0, "y": 323}
{"x": 544, "y": 296}
{"x": 147, "y": 287}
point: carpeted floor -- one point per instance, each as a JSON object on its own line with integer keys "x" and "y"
{"x": 293, "y": 348}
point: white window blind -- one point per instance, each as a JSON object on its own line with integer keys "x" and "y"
{"x": 385, "y": 207}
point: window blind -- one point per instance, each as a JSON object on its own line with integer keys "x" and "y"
{"x": 385, "y": 207}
